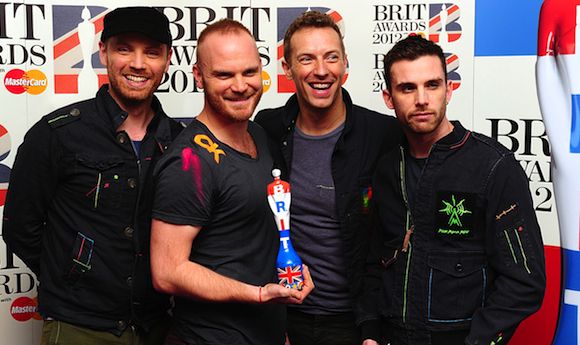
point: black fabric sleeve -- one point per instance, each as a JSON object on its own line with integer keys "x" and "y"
{"x": 183, "y": 189}
{"x": 33, "y": 180}
{"x": 515, "y": 252}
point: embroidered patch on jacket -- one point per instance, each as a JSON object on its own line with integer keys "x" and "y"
{"x": 208, "y": 144}
{"x": 366, "y": 194}
{"x": 454, "y": 214}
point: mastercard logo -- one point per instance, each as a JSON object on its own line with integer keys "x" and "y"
{"x": 18, "y": 81}
{"x": 24, "y": 309}
{"x": 266, "y": 81}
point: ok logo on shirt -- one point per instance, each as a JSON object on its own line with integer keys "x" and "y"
{"x": 208, "y": 144}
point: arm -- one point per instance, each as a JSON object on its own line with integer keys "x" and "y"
{"x": 173, "y": 272}
{"x": 33, "y": 180}
{"x": 515, "y": 254}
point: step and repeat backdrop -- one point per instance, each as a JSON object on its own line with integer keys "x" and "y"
{"x": 48, "y": 58}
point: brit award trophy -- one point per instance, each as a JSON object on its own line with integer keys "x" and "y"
{"x": 288, "y": 263}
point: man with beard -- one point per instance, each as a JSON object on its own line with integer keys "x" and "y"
{"x": 327, "y": 147}
{"x": 78, "y": 209}
{"x": 214, "y": 241}
{"x": 458, "y": 257}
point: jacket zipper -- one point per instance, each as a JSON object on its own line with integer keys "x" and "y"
{"x": 408, "y": 234}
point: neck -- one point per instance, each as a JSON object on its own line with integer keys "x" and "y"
{"x": 231, "y": 132}
{"x": 420, "y": 144}
{"x": 139, "y": 117}
{"x": 318, "y": 122}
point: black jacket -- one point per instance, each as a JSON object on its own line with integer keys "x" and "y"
{"x": 475, "y": 258}
{"x": 78, "y": 213}
{"x": 366, "y": 136}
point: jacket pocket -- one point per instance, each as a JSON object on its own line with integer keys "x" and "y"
{"x": 515, "y": 245}
{"x": 457, "y": 285}
{"x": 101, "y": 179}
{"x": 80, "y": 258}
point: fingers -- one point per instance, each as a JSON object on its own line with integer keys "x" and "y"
{"x": 274, "y": 293}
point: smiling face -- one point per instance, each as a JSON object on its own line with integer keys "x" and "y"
{"x": 419, "y": 96}
{"x": 317, "y": 66}
{"x": 135, "y": 67}
{"x": 229, "y": 70}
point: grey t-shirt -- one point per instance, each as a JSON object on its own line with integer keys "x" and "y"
{"x": 314, "y": 225}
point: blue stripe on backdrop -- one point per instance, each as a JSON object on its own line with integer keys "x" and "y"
{"x": 506, "y": 27}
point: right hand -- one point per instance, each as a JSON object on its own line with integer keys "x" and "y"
{"x": 274, "y": 293}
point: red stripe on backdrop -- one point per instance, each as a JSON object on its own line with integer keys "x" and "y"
{"x": 539, "y": 328}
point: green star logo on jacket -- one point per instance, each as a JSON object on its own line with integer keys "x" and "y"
{"x": 455, "y": 210}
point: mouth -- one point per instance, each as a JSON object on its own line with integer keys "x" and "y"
{"x": 320, "y": 86}
{"x": 136, "y": 79}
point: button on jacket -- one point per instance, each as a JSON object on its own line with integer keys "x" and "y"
{"x": 366, "y": 136}
{"x": 468, "y": 255}
{"x": 78, "y": 214}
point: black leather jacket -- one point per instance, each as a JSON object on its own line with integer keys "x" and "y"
{"x": 78, "y": 213}
{"x": 366, "y": 136}
{"x": 474, "y": 260}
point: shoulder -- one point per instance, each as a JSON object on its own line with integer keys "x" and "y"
{"x": 490, "y": 145}
{"x": 376, "y": 125}
{"x": 70, "y": 113}
{"x": 271, "y": 120}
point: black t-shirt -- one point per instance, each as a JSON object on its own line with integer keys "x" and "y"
{"x": 203, "y": 182}
{"x": 413, "y": 169}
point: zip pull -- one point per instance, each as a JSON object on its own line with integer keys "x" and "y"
{"x": 407, "y": 239}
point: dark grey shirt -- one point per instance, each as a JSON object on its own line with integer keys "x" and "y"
{"x": 315, "y": 229}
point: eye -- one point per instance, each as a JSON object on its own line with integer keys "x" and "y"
{"x": 123, "y": 49}
{"x": 304, "y": 59}
{"x": 434, "y": 84}
{"x": 154, "y": 53}
{"x": 332, "y": 58}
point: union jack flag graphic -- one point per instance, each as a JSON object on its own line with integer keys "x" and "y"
{"x": 4, "y": 170}
{"x": 452, "y": 61}
{"x": 290, "y": 277}
{"x": 68, "y": 58}
{"x": 444, "y": 12}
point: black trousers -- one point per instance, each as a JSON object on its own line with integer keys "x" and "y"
{"x": 310, "y": 329}
{"x": 399, "y": 336}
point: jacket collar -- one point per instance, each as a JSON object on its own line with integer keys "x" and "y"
{"x": 451, "y": 141}
{"x": 291, "y": 110}
{"x": 159, "y": 126}
{"x": 455, "y": 139}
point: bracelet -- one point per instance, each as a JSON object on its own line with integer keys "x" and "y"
{"x": 260, "y": 294}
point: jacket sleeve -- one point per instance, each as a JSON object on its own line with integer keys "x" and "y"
{"x": 515, "y": 253}
{"x": 32, "y": 183}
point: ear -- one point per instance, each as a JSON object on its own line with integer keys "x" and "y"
{"x": 198, "y": 76}
{"x": 169, "y": 55}
{"x": 287, "y": 69}
{"x": 388, "y": 98}
{"x": 103, "y": 53}
{"x": 449, "y": 91}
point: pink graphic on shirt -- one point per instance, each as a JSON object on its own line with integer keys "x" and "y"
{"x": 190, "y": 162}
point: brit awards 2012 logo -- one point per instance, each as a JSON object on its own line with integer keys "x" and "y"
{"x": 443, "y": 23}
{"x": 286, "y": 16}
{"x": 76, "y": 33}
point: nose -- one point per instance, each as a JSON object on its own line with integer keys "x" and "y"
{"x": 239, "y": 84}
{"x": 422, "y": 98}
{"x": 138, "y": 60}
{"x": 321, "y": 69}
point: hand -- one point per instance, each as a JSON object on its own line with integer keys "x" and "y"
{"x": 274, "y": 293}
{"x": 369, "y": 342}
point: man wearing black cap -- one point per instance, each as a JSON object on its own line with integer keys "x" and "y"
{"x": 79, "y": 204}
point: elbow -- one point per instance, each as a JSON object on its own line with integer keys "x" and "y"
{"x": 159, "y": 283}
